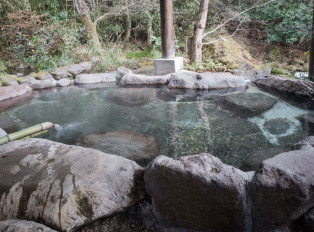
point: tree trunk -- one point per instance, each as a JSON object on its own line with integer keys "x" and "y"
{"x": 199, "y": 27}
{"x": 90, "y": 26}
{"x": 129, "y": 25}
{"x": 311, "y": 69}
{"x": 149, "y": 29}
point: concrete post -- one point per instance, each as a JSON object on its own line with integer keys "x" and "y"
{"x": 169, "y": 63}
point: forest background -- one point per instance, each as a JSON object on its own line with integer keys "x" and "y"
{"x": 45, "y": 34}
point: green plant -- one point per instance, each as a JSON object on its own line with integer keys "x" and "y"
{"x": 110, "y": 60}
{"x": 285, "y": 21}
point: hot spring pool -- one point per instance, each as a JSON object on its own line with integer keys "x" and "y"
{"x": 142, "y": 123}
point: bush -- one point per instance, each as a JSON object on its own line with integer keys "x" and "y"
{"x": 37, "y": 40}
{"x": 286, "y": 21}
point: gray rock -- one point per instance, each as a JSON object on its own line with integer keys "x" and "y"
{"x": 122, "y": 71}
{"x": 254, "y": 161}
{"x": 249, "y": 104}
{"x": 13, "y": 91}
{"x": 64, "y": 186}
{"x": 307, "y": 121}
{"x": 192, "y": 80}
{"x": 137, "y": 79}
{"x": 282, "y": 190}
{"x": 8, "y": 80}
{"x": 39, "y": 84}
{"x": 60, "y": 73}
{"x": 138, "y": 218}
{"x": 198, "y": 193}
{"x": 129, "y": 144}
{"x": 42, "y": 75}
{"x": 306, "y": 144}
{"x": 306, "y": 222}
{"x": 79, "y": 68}
{"x": 298, "y": 91}
{"x": 64, "y": 82}
{"x": 247, "y": 71}
{"x": 277, "y": 126}
{"x": 2, "y": 132}
{"x": 27, "y": 79}
{"x": 23, "y": 226}
{"x": 96, "y": 78}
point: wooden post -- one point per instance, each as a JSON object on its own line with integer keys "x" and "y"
{"x": 311, "y": 69}
{"x": 167, "y": 29}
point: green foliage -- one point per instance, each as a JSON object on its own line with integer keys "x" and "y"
{"x": 285, "y": 21}
{"x": 111, "y": 59}
{"x": 208, "y": 65}
{"x": 40, "y": 41}
{"x": 140, "y": 54}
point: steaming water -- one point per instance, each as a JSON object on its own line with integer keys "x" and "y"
{"x": 182, "y": 122}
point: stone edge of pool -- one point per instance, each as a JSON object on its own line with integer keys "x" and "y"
{"x": 66, "y": 187}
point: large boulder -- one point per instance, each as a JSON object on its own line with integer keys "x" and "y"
{"x": 137, "y": 79}
{"x": 249, "y": 104}
{"x": 198, "y": 193}
{"x": 193, "y": 80}
{"x": 13, "y": 91}
{"x": 121, "y": 71}
{"x": 307, "y": 121}
{"x": 282, "y": 190}
{"x": 64, "y": 82}
{"x": 60, "y": 73}
{"x": 129, "y": 144}
{"x": 306, "y": 222}
{"x": 8, "y": 80}
{"x": 42, "y": 75}
{"x": 64, "y": 186}
{"x": 253, "y": 162}
{"x": 39, "y": 84}
{"x": 23, "y": 226}
{"x": 305, "y": 144}
{"x": 96, "y": 78}
{"x": 297, "y": 91}
{"x": 76, "y": 69}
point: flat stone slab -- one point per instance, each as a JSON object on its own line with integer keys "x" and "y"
{"x": 64, "y": 186}
{"x": 129, "y": 144}
{"x": 192, "y": 80}
{"x": 297, "y": 91}
{"x": 13, "y": 91}
{"x": 249, "y": 104}
{"x": 23, "y": 226}
{"x": 82, "y": 79}
{"x": 136, "y": 79}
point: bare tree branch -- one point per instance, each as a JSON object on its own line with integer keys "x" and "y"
{"x": 251, "y": 8}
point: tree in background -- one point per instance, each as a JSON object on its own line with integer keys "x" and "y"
{"x": 199, "y": 27}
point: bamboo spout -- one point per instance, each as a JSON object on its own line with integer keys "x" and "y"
{"x": 28, "y": 132}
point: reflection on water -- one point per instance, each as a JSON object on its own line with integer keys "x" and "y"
{"x": 172, "y": 122}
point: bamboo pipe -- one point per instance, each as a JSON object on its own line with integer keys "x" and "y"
{"x": 35, "y": 135}
{"x": 26, "y": 132}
